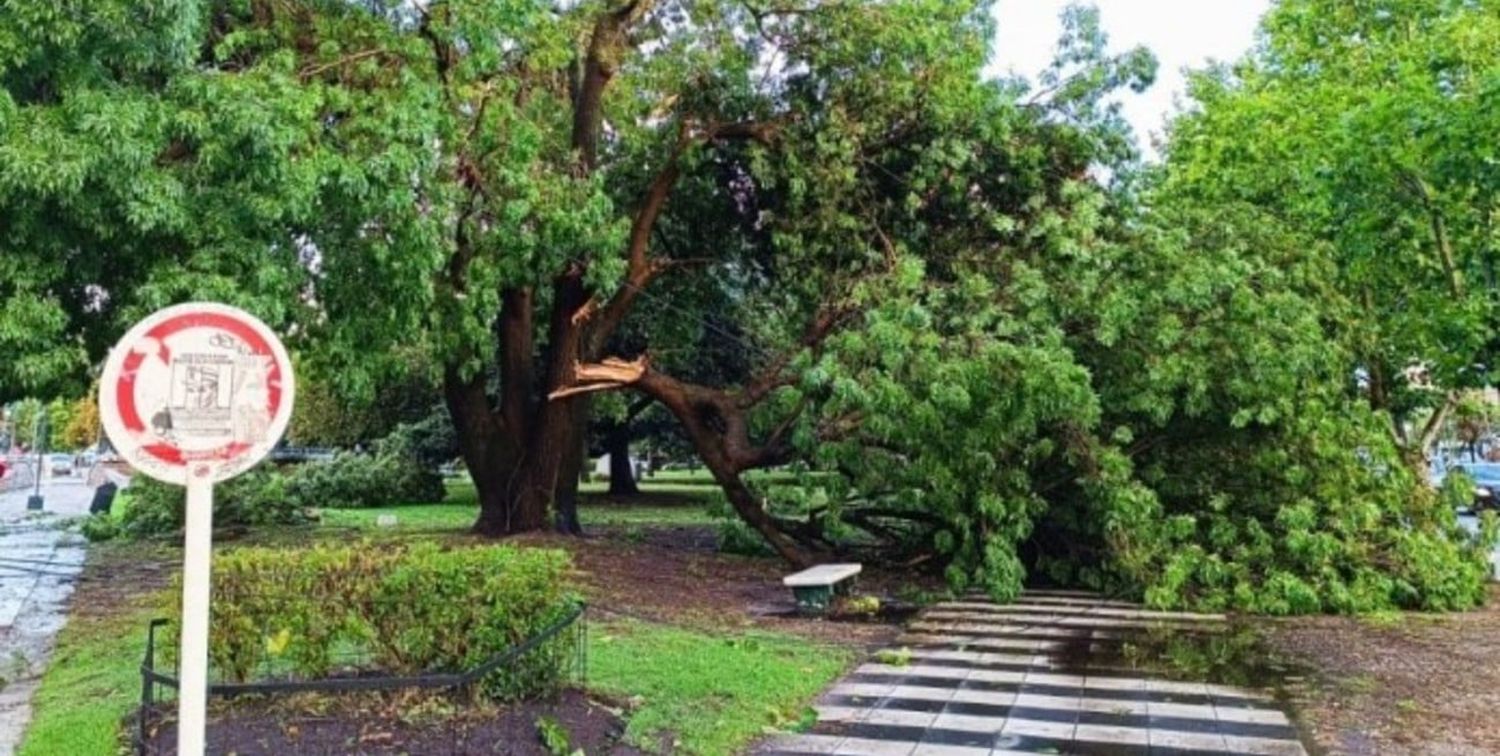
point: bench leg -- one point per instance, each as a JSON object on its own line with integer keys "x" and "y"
{"x": 813, "y": 599}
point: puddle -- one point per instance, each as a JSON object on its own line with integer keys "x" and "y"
{"x": 1235, "y": 655}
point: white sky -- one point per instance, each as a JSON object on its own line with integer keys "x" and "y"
{"x": 1182, "y": 34}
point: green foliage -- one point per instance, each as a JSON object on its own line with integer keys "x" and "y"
{"x": 363, "y": 480}
{"x": 554, "y": 736}
{"x": 101, "y": 527}
{"x": 396, "y": 609}
{"x": 1457, "y": 491}
{"x": 259, "y": 497}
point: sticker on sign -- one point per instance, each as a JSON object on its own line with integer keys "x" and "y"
{"x": 197, "y": 390}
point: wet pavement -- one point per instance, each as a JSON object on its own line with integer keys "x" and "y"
{"x": 39, "y": 560}
{"x": 1055, "y": 672}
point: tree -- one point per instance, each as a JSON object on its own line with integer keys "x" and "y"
{"x": 82, "y": 429}
{"x": 1363, "y": 128}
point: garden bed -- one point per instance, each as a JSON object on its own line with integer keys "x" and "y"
{"x": 318, "y": 726}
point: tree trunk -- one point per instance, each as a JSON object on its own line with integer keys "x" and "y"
{"x": 565, "y": 497}
{"x": 621, "y": 474}
{"x": 489, "y": 453}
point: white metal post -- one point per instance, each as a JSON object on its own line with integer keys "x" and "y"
{"x": 193, "y": 664}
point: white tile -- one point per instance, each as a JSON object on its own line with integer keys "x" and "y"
{"x": 969, "y": 723}
{"x": 1269, "y": 746}
{"x": 806, "y": 743}
{"x": 943, "y": 749}
{"x": 922, "y": 692}
{"x": 1189, "y": 740}
{"x": 991, "y": 697}
{"x": 867, "y": 690}
{"x": 1251, "y": 716}
{"x": 900, "y": 717}
{"x": 1056, "y": 703}
{"x": 1114, "y": 683}
{"x": 1112, "y": 706}
{"x": 1107, "y": 734}
{"x": 1176, "y": 686}
{"x": 937, "y": 749}
{"x": 1058, "y": 730}
{"x": 996, "y": 676}
{"x": 1185, "y": 711}
{"x": 867, "y": 747}
{"x": 839, "y": 713}
{"x": 1230, "y": 690}
{"x": 1051, "y": 678}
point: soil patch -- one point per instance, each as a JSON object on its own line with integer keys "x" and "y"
{"x": 1403, "y": 684}
{"x": 274, "y": 729}
{"x": 673, "y": 574}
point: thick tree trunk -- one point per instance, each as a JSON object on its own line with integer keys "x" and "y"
{"x": 565, "y": 497}
{"x": 489, "y": 453}
{"x": 621, "y": 474}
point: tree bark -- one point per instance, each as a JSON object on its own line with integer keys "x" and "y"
{"x": 489, "y": 453}
{"x": 621, "y": 474}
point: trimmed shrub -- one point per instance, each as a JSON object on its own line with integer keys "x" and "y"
{"x": 401, "y": 610}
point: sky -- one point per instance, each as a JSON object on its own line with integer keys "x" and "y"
{"x": 1182, "y": 34}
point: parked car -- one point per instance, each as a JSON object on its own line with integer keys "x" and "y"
{"x": 1486, "y": 477}
{"x": 60, "y": 465}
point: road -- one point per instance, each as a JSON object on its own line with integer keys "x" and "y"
{"x": 39, "y": 561}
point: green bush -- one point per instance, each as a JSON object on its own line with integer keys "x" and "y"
{"x": 351, "y": 481}
{"x": 259, "y": 497}
{"x": 400, "y": 610}
{"x": 267, "y": 496}
{"x": 100, "y": 527}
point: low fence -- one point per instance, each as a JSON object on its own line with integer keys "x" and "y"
{"x": 571, "y": 630}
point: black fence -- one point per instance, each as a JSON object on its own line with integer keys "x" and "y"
{"x": 568, "y": 634}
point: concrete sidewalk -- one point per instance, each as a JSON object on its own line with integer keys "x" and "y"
{"x": 1043, "y": 675}
{"x": 39, "y": 560}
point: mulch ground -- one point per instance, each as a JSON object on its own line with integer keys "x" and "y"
{"x": 674, "y": 574}
{"x": 1419, "y": 684}
{"x": 274, "y": 729}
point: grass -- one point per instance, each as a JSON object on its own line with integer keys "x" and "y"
{"x": 658, "y": 504}
{"x": 707, "y": 694}
{"x": 93, "y": 680}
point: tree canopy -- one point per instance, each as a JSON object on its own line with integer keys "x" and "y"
{"x": 820, "y": 238}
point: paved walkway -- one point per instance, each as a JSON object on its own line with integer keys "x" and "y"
{"x": 38, "y": 563}
{"x": 1036, "y": 676}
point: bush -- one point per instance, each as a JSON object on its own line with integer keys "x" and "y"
{"x": 351, "y": 481}
{"x": 266, "y": 496}
{"x": 100, "y": 527}
{"x": 401, "y": 610}
{"x": 259, "y": 497}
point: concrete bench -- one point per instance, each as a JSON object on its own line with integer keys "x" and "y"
{"x": 816, "y": 587}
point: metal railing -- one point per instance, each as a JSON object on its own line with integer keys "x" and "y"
{"x": 574, "y": 622}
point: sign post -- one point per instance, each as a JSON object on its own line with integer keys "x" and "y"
{"x": 192, "y": 395}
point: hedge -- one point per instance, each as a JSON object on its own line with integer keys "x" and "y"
{"x": 403, "y": 610}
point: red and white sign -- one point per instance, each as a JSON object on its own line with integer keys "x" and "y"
{"x": 196, "y": 390}
{"x": 193, "y": 395}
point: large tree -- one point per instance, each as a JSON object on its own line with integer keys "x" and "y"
{"x": 1367, "y": 128}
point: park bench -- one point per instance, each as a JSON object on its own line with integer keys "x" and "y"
{"x": 816, "y": 587}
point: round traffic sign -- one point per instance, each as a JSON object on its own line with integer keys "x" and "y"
{"x": 196, "y": 390}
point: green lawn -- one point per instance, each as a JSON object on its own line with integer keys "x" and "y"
{"x": 92, "y": 681}
{"x": 658, "y": 504}
{"x": 708, "y": 694}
